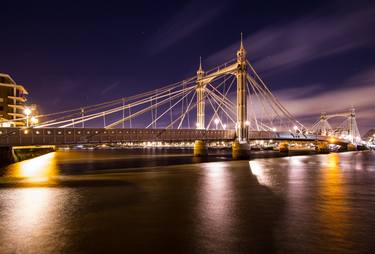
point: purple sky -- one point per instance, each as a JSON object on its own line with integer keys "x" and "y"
{"x": 315, "y": 56}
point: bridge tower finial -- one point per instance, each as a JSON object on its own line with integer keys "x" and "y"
{"x": 241, "y": 46}
{"x": 200, "y": 72}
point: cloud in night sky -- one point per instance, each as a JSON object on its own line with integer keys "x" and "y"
{"x": 282, "y": 46}
{"x": 183, "y": 24}
{"x": 357, "y": 91}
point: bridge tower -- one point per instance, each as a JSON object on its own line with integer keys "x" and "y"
{"x": 200, "y": 97}
{"x": 354, "y": 135}
{"x": 241, "y": 104}
{"x": 352, "y": 125}
{"x": 200, "y": 147}
{"x": 324, "y": 124}
{"x": 240, "y": 147}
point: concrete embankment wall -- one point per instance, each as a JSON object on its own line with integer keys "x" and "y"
{"x": 9, "y": 155}
{"x": 6, "y": 156}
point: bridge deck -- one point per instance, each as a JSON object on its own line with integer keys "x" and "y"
{"x": 59, "y": 136}
{"x": 67, "y": 136}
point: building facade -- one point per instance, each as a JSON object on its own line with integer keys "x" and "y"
{"x": 12, "y": 102}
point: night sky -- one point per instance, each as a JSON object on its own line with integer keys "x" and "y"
{"x": 314, "y": 55}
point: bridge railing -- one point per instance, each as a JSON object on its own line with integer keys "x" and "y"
{"x": 66, "y": 136}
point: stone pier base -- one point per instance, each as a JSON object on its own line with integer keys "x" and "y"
{"x": 351, "y": 147}
{"x": 200, "y": 148}
{"x": 322, "y": 147}
{"x": 284, "y": 147}
{"x": 240, "y": 150}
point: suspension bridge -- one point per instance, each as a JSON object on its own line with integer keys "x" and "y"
{"x": 227, "y": 103}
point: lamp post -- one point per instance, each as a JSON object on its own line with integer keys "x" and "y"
{"x": 27, "y": 112}
{"x": 216, "y": 122}
{"x": 34, "y": 120}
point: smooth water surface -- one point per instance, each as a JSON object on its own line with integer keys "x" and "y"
{"x": 121, "y": 202}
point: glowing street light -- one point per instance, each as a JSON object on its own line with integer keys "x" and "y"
{"x": 216, "y": 122}
{"x": 224, "y": 126}
{"x": 247, "y": 123}
{"x": 34, "y": 120}
{"x": 27, "y": 112}
{"x": 274, "y": 129}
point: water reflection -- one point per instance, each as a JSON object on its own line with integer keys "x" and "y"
{"x": 30, "y": 219}
{"x": 257, "y": 168}
{"x": 39, "y": 169}
{"x": 333, "y": 207}
{"x": 216, "y": 205}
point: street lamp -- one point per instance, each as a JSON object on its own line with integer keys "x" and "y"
{"x": 274, "y": 129}
{"x": 216, "y": 122}
{"x": 27, "y": 112}
{"x": 34, "y": 120}
{"x": 247, "y": 123}
{"x": 224, "y": 126}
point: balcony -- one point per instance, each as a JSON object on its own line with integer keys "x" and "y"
{"x": 21, "y": 99}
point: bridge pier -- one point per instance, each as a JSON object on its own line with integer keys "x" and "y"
{"x": 283, "y": 147}
{"x": 351, "y": 147}
{"x": 321, "y": 147}
{"x": 200, "y": 148}
{"x": 240, "y": 150}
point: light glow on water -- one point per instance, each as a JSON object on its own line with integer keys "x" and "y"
{"x": 38, "y": 169}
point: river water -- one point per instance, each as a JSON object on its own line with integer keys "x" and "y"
{"x": 152, "y": 202}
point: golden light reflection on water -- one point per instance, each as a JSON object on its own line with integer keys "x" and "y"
{"x": 257, "y": 169}
{"x": 215, "y": 202}
{"x": 39, "y": 169}
{"x": 31, "y": 205}
{"x": 334, "y": 206}
{"x": 31, "y": 219}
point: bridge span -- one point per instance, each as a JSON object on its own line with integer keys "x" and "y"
{"x": 77, "y": 136}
